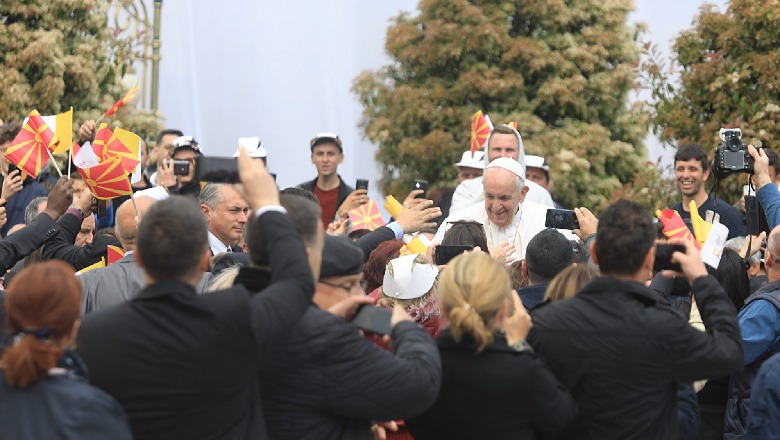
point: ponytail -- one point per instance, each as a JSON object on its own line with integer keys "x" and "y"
{"x": 473, "y": 290}
{"x": 29, "y": 359}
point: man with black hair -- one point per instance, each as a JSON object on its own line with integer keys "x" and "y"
{"x": 163, "y": 149}
{"x": 335, "y": 196}
{"x": 547, "y": 254}
{"x": 691, "y": 169}
{"x": 184, "y": 365}
{"x": 620, "y": 349}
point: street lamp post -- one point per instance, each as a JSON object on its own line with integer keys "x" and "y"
{"x": 156, "y": 54}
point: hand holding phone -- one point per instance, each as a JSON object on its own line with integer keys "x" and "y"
{"x": 422, "y": 185}
{"x": 373, "y": 320}
{"x": 663, "y": 257}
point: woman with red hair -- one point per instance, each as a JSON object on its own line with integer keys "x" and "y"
{"x": 43, "y": 393}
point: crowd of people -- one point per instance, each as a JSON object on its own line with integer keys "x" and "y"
{"x": 239, "y": 311}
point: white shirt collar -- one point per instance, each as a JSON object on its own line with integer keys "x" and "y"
{"x": 217, "y": 247}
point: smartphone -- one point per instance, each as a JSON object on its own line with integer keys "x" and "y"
{"x": 423, "y": 185}
{"x": 561, "y": 219}
{"x": 361, "y": 184}
{"x": 181, "y": 167}
{"x": 102, "y": 208}
{"x": 216, "y": 169}
{"x": 445, "y": 253}
{"x": 663, "y": 257}
{"x": 373, "y": 320}
{"x": 755, "y": 217}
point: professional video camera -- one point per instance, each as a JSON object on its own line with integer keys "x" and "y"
{"x": 731, "y": 155}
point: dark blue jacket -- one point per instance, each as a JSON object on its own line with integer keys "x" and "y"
{"x": 60, "y": 406}
{"x": 763, "y": 420}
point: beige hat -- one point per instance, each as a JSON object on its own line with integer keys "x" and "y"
{"x": 510, "y": 165}
{"x": 472, "y": 162}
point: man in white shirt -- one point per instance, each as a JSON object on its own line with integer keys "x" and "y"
{"x": 504, "y": 141}
{"x": 509, "y": 219}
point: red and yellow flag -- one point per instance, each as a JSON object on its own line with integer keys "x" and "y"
{"x": 119, "y": 104}
{"x": 480, "y": 130}
{"x": 28, "y": 149}
{"x": 674, "y": 226}
{"x": 366, "y": 216}
{"x": 124, "y": 145}
{"x": 513, "y": 124}
{"x": 107, "y": 179}
{"x": 114, "y": 254}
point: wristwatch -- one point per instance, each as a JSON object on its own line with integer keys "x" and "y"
{"x": 522, "y": 345}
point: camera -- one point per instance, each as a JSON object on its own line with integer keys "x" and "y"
{"x": 731, "y": 155}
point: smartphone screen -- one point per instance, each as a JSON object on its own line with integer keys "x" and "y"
{"x": 445, "y": 253}
{"x": 373, "y": 320}
{"x": 561, "y": 219}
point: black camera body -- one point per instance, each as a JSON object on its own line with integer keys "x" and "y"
{"x": 731, "y": 155}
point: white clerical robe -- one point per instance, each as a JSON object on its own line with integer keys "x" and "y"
{"x": 527, "y": 222}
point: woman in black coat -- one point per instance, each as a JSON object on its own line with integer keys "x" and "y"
{"x": 43, "y": 394}
{"x": 494, "y": 386}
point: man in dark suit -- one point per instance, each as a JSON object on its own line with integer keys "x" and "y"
{"x": 184, "y": 365}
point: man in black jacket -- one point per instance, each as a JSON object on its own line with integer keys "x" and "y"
{"x": 336, "y": 198}
{"x": 620, "y": 349}
{"x": 184, "y": 365}
{"x": 326, "y": 381}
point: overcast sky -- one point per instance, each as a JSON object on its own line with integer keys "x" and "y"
{"x": 283, "y": 71}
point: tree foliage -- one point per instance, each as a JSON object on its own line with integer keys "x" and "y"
{"x": 726, "y": 72}
{"x": 55, "y": 54}
{"x": 562, "y": 69}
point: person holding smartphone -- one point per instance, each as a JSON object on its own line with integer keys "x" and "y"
{"x": 335, "y": 196}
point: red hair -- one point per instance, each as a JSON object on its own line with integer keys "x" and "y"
{"x": 374, "y": 269}
{"x": 42, "y": 304}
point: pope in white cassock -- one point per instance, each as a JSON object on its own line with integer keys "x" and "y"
{"x": 504, "y": 214}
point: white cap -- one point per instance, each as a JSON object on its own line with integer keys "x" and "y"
{"x": 253, "y": 146}
{"x": 536, "y": 162}
{"x": 510, "y": 165}
{"x": 472, "y": 162}
{"x": 405, "y": 279}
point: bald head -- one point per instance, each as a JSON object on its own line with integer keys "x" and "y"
{"x": 126, "y": 227}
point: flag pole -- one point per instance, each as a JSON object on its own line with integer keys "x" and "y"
{"x": 70, "y": 159}
{"x": 99, "y": 119}
{"x": 137, "y": 213}
{"x": 55, "y": 162}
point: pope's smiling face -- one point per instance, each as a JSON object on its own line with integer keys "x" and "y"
{"x": 502, "y": 196}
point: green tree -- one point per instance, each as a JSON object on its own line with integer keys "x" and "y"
{"x": 55, "y": 54}
{"x": 562, "y": 69}
{"x": 725, "y": 73}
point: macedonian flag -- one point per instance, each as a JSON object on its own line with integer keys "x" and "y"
{"x": 107, "y": 179}
{"x": 114, "y": 254}
{"x": 366, "y": 216}
{"x": 674, "y": 226}
{"x": 121, "y": 103}
{"x": 28, "y": 149}
{"x": 480, "y": 130}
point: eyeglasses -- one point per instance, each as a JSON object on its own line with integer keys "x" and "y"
{"x": 345, "y": 287}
